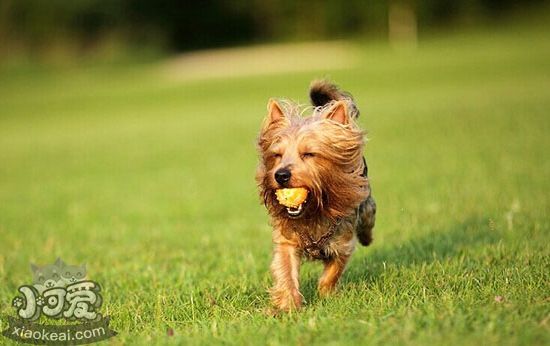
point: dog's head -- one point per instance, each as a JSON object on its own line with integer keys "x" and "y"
{"x": 321, "y": 152}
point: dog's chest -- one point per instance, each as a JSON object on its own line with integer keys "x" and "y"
{"x": 326, "y": 242}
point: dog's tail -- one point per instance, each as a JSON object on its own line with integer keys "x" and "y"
{"x": 367, "y": 218}
{"x": 323, "y": 92}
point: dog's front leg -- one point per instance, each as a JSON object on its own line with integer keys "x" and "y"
{"x": 285, "y": 269}
{"x": 334, "y": 268}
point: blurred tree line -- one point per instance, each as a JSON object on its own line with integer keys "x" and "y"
{"x": 179, "y": 25}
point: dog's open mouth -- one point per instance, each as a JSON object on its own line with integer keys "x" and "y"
{"x": 295, "y": 212}
{"x": 293, "y": 199}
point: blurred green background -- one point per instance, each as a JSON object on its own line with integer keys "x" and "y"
{"x": 127, "y": 141}
{"x": 109, "y": 27}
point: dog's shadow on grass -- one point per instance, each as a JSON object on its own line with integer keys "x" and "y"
{"x": 424, "y": 249}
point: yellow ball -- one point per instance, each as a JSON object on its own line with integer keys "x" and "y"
{"x": 291, "y": 198}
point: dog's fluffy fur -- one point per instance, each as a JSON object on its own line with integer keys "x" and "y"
{"x": 324, "y": 154}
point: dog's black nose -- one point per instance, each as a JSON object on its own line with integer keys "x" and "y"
{"x": 282, "y": 176}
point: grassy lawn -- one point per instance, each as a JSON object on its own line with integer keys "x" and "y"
{"x": 149, "y": 180}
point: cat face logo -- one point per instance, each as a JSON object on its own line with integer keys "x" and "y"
{"x": 58, "y": 274}
{"x": 59, "y": 290}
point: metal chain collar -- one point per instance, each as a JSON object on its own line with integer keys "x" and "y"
{"x": 315, "y": 248}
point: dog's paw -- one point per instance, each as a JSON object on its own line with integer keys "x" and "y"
{"x": 286, "y": 300}
{"x": 326, "y": 289}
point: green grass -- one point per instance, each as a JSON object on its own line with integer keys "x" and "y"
{"x": 151, "y": 183}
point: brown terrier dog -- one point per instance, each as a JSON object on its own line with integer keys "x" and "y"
{"x": 322, "y": 153}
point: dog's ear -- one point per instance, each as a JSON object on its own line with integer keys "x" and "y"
{"x": 275, "y": 112}
{"x": 338, "y": 112}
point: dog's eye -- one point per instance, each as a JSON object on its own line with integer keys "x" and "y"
{"x": 307, "y": 155}
{"x": 276, "y": 155}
